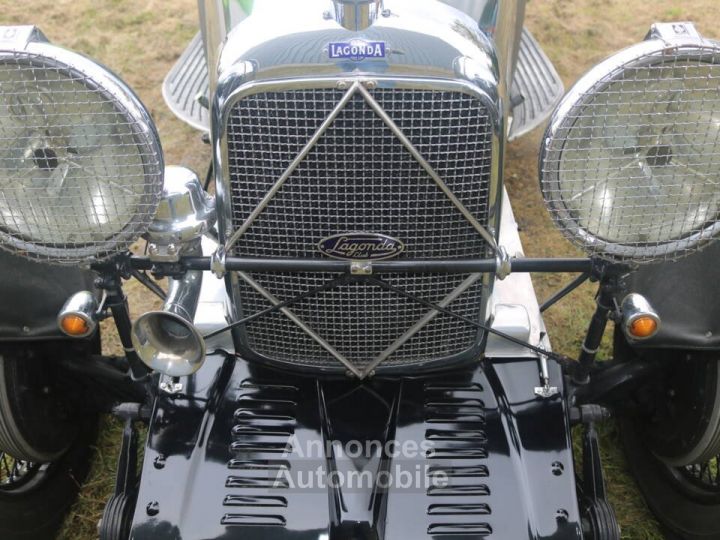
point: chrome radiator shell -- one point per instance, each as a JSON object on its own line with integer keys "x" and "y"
{"x": 460, "y": 62}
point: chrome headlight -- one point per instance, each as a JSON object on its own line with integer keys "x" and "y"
{"x": 81, "y": 167}
{"x": 630, "y": 165}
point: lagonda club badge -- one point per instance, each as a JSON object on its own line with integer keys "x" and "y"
{"x": 360, "y": 246}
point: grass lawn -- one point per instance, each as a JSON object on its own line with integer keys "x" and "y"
{"x": 141, "y": 39}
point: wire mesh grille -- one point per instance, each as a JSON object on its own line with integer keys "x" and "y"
{"x": 80, "y": 167}
{"x": 632, "y": 170}
{"x": 360, "y": 320}
{"x": 360, "y": 177}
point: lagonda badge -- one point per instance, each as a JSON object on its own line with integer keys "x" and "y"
{"x": 357, "y": 49}
{"x": 359, "y": 246}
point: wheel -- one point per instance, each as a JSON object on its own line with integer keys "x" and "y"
{"x": 671, "y": 436}
{"x": 45, "y": 443}
{"x": 34, "y": 498}
{"x": 601, "y": 523}
{"x": 36, "y": 423}
{"x": 685, "y": 500}
{"x": 117, "y": 519}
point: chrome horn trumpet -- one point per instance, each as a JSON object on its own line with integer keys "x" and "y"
{"x": 167, "y": 340}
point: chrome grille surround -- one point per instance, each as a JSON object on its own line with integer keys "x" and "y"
{"x": 337, "y": 325}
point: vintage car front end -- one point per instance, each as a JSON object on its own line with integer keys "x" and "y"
{"x": 360, "y": 411}
{"x": 310, "y": 121}
{"x": 350, "y": 345}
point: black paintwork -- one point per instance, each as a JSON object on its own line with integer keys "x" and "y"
{"x": 685, "y": 295}
{"x": 450, "y": 266}
{"x": 213, "y": 455}
{"x": 32, "y": 295}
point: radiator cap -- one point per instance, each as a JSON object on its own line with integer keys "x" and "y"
{"x": 357, "y": 15}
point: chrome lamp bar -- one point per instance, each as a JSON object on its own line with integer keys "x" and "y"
{"x": 463, "y": 266}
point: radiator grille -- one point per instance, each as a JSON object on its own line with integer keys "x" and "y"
{"x": 359, "y": 177}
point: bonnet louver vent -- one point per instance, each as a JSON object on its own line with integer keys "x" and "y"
{"x": 455, "y": 420}
{"x": 264, "y": 424}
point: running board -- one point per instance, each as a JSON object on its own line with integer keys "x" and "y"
{"x": 537, "y": 88}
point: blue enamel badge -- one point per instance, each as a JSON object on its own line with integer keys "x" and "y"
{"x": 357, "y": 49}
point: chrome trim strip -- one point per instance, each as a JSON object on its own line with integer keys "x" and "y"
{"x": 422, "y": 323}
{"x": 305, "y": 328}
{"x": 507, "y": 34}
{"x": 214, "y": 28}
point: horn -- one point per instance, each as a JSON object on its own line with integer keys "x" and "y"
{"x": 167, "y": 341}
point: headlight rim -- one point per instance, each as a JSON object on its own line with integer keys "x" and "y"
{"x": 102, "y": 80}
{"x": 602, "y": 75}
